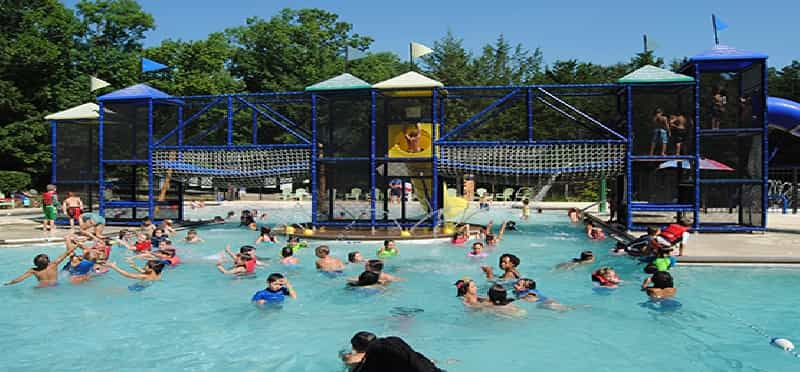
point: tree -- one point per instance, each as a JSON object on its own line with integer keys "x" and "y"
{"x": 500, "y": 64}
{"x": 646, "y": 58}
{"x": 292, "y": 50}
{"x": 450, "y": 63}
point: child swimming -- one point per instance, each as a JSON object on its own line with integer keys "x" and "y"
{"x": 377, "y": 267}
{"x": 326, "y": 262}
{"x": 81, "y": 268}
{"x": 368, "y": 278}
{"x": 278, "y": 287}
{"x": 43, "y": 269}
{"x": 586, "y": 257}
{"x": 594, "y": 233}
{"x": 500, "y": 303}
{"x": 606, "y": 277}
{"x": 192, "y": 237}
{"x": 355, "y": 257}
{"x": 477, "y": 251}
{"x": 663, "y": 286}
{"x": 467, "y": 289}
{"x": 525, "y": 290}
{"x": 359, "y": 342}
{"x": 265, "y": 236}
{"x": 508, "y": 263}
{"x": 151, "y": 270}
{"x": 288, "y": 258}
{"x": 491, "y": 239}
{"x": 389, "y": 249}
{"x": 574, "y": 215}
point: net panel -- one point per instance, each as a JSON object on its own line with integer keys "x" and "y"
{"x": 240, "y": 167}
{"x": 76, "y": 152}
{"x": 572, "y": 160}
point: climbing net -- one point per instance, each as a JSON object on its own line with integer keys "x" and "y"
{"x": 568, "y": 160}
{"x": 246, "y": 167}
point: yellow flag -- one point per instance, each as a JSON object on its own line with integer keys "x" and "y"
{"x": 95, "y": 83}
{"x": 419, "y": 50}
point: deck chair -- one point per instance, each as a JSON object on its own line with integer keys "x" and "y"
{"x": 355, "y": 194}
{"x": 479, "y": 193}
{"x": 523, "y": 193}
{"x": 507, "y": 194}
{"x": 286, "y": 194}
{"x": 299, "y": 194}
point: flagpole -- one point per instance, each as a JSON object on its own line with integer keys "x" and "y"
{"x": 411, "y": 56}
{"x": 714, "y": 24}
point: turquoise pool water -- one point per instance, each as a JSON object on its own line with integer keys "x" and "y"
{"x": 198, "y": 319}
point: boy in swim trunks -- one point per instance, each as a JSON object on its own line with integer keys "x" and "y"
{"x": 72, "y": 207}
{"x": 92, "y": 224}
{"x": 50, "y": 208}
{"x": 679, "y": 131}
{"x": 326, "y": 262}
{"x": 278, "y": 287}
{"x": 43, "y": 269}
{"x": 660, "y": 132}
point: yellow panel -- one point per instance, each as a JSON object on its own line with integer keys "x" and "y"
{"x": 398, "y": 144}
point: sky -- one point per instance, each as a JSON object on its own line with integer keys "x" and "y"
{"x": 577, "y": 29}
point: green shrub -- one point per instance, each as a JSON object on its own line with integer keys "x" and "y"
{"x": 11, "y": 181}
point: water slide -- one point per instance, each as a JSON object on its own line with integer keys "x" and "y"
{"x": 784, "y": 114}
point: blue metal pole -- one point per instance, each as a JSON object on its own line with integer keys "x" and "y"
{"x": 696, "y": 223}
{"x": 150, "y": 192}
{"x": 101, "y": 185}
{"x": 529, "y": 104}
{"x": 314, "y": 144}
{"x": 230, "y": 120}
{"x": 435, "y": 170}
{"x": 628, "y": 163}
{"x": 372, "y": 149}
{"x": 180, "y": 125}
{"x": 765, "y": 147}
{"x": 53, "y": 156}
{"x": 255, "y": 127}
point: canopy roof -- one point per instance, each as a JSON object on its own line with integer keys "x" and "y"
{"x": 409, "y": 80}
{"x": 342, "y": 82}
{"x": 86, "y": 111}
{"x": 138, "y": 91}
{"x": 721, "y": 52}
{"x": 651, "y": 74}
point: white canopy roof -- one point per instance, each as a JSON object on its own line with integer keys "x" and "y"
{"x": 410, "y": 79}
{"x": 86, "y": 111}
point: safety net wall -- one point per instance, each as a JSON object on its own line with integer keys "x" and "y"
{"x": 76, "y": 163}
{"x": 672, "y": 131}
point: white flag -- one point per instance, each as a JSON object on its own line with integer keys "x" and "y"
{"x": 419, "y": 50}
{"x": 95, "y": 83}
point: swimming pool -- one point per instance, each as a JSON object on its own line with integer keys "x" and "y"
{"x": 198, "y": 319}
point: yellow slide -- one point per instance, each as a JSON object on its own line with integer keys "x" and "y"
{"x": 454, "y": 207}
{"x": 397, "y": 135}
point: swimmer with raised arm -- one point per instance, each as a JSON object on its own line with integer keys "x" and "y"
{"x": 508, "y": 263}
{"x": 278, "y": 287}
{"x": 43, "y": 269}
{"x": 151, "y": 271}
{"x": 467, "y": 289}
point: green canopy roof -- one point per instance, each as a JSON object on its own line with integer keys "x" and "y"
{"x": 651, "y": 74}
{"x": 342, "y": 82}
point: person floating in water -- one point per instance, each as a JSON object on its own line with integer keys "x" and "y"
{"x": 376, "y": 266}
{"x": 265, "y": 236}
{"x": 278, "y": 287}
{"x": 662, "y": 285}
{"x": 525, "y": 290}
{"x": 355, "y": 257}
{"x": 43, "y": 269}
{"x": 326, "y": 262}
{"x": 192, "y": 237}
{"x": 151, "y": 270}
{"x": 467, "y": 289}
{"x": 586, "y": 257}
{"x": 606, "y": 277}
{"x": 593, "y": 232}
{"x": 288, "y": 258}
{"x": 477, "y": 251}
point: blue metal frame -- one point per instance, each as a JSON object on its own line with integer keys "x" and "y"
{"x": 314, "y": 191}
{"x": 372, "y": 154}
{"x": 101, "y": 184}
{"x": 150, "y": 187}
{"x": 53, "y": 144}
{"x": 628, "y": 155}
{"x": 480, "y": 114}
{"x": 435, "y": 175}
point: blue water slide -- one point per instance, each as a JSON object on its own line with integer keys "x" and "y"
{"x": 784, "y": 114}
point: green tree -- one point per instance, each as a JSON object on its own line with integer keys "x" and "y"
{"x": 36, "y": 77}
{"x": 502, "y": 64}
{"x": 377, "y": 67}
{"x": 292, "y": 50}
{"x": 646, "y": 58}
{"x": 450, "y": 63}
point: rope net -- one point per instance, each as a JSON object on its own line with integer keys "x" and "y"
{"x": 248, "y": 167}
{"x": 567, "y": 161}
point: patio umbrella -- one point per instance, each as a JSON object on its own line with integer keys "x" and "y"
{"x": 707, "y": 164}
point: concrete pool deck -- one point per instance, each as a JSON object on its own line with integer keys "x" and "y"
{"x": 779, "y": 245}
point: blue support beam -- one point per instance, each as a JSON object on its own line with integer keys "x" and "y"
{"x": 529, "y": 107}
{"x": 697, "y": 140}
{"x": 480, "y": 114}
{"x": 150, "y": 178}
{"x": 184, "y": 123}
{"x": 435, "y": 170}
{"x": 582, "y": 114}
{"x": 278, "y": 123}
{"x": 314, "y": 145}
{"x": 765, "y": 147}
{"x": 101, "y": 185}
{"x": 628, "y": 155}
{"x": 372, "y": 154}
{"x": 230, "y": 121}
{"x": 53, "y": 144}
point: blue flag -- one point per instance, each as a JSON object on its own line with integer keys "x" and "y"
{"x": 719, "y": 24}
{"x": 150, "y": 65}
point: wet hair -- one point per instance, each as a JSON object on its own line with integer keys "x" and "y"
{"x": 652, "y": 230}
{"x": 287, "y": 252}
{"x": 477, "y": 243}
{"x": 498, "y": 295}
{"x": 322, "y": 250}
{"x": 375, "y": 265}
{"x": 158, "y": 230}
{"x": 51, "y": 187}
{"x": 650, "y": 269}
{"x": 146, "y": 219}
{"x": 527, "y": 283}
{"x": 155, "y": 265}
{"x": 511, "y": 225}
{"x": 511, "y": 258}
{"x": 525, "y": 201}
{"x": 462, "y": 285}
{"x": 168, "y": 252}
{"x": 351, "y": 257}
{"x": 40, "y": 262}
{"x": 367, "y": 278}
{"x": 293, "y": 239}
{"x": 219, "y": 219}
{"x": 361, "y": 341}
{"x": 586, "y": 255}
{"x": 246, "y": 249}
{"x": 265, "y": 230}
{"x": 274, "y": 277}
{"x": 191, "y": 232}
{"x": 386, "y": 242}
{"x": 662, "y": 279}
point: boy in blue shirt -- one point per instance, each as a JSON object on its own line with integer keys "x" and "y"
{"x": 278, "y": 287}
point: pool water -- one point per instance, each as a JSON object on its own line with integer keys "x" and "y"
{"x": 199, "y": 319}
